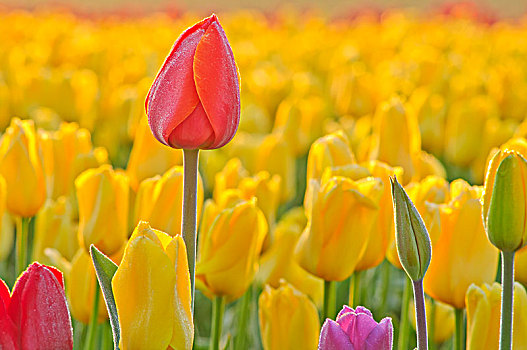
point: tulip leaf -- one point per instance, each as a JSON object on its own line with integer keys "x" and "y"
{"x": 105, "y": 270}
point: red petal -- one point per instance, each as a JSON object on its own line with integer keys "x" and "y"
{"x": 8, "y": 332}
{"x": 14, "y": 309}
{"x": 217, "y": 84}
{"x": 172, "y": 96}
{"x": 4, "y": 295}
{"x": 57, "y": 273}
{"x": 194, "y": 132}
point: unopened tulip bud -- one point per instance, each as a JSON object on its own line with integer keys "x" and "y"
{"x": 413, "y": 243}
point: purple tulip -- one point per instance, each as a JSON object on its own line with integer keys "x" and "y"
{"x": 356, "y": 330}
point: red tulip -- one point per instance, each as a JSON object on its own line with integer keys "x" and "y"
{"x": 36, "y": 315}
{"x": 194, "y": 101}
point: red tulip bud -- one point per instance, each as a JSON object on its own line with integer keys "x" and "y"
{"x": 194, "y": 101}
{"x": 36, "y": 315}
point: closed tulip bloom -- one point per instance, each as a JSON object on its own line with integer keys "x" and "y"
{"x": 81, "y": 289}
{"x": 484, "y": 314}
{"x": 332, "y": 150}
{"x": 229, "y": 177}
{"x": 229, "y": 250}
{"x": 152, "y": 292}
{"x": 356, "y": 329}
{"x": 21, "y": 167}
{"x": 159, "y": 201}
{"x": 55, "y": 228}
{"x": 396, "y": 137}
{"x": 288, "y": 319}
{"x": 35, "y": 315}
{"x": 102, "y": 194}
{"x": 444, "y": 321}
{"x": 340, "y": 218}
{"x": 383, "y": 229}
{"x": 194, "y": 101}
{"x": 148, "y": 158}
{"x": 504, "y": 201}
{"x": 461, "y": 241}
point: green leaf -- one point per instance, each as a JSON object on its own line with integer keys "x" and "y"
{"x": 105, "y": 270}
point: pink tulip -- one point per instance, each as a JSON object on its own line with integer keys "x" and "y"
{"x": 35, "y": 315}
{"x": 356, "y": 330}
{"x": 194, "y": 101}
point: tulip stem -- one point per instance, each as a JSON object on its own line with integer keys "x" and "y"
{"x": 458, "y": 334}
{"x": 218, "y": 308}
{"x": 507, "y": 299}
{"x": 420, "y": 315}
{"x": 21, "y": 244}
{"x": 385, "y": 270}
{"x": 356, "y": 289}
{"x": 404, "y": 324}
{"x": 330, "y": 300}
{"x": 190, "y": 202}
{"x": 92, "y": 327}
{"x": 243, "y": 314}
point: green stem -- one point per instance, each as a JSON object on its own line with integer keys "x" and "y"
{"x": 507, "y": 300}
{"x": 432, "y": 325}
{"x": 356, "y": 289}
{"x": 188, "y": 222}
{"x": 420, "y": 315}
{"x": 330, "y": 302}
{"x": 21, "y": 244}
{"x": 385, "y": 286}
{"x": 404, "y": 324}
{"x": 218, "y": 308}
{"x": 458, "y": 334}
{"x": 92, "y": 327}
{"x": 243, "y": 313}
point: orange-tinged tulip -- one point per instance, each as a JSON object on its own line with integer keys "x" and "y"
{"x": 288, "y": 319}
{"x": 461, "y": 242}
{"x": 340, "y": 216}
{"x": 229, "y": 250}
{"x": 102, "y": 194}
{"x": 152, "y": 292}
{"x": 21, "y": 167}
{"x": 159, "y": 201}
{"x": 484, "y": 314}
{"x": 148, "y": 157}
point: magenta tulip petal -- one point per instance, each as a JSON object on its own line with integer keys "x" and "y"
{"x": 332, "y": 337}
{"x": 381, "y": 337}
{"x": 363, "y": 325}
{"x": 216, "y": 78}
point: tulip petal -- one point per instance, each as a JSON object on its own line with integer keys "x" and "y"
{"x": 381, "y": 337}
{"x": 332, "y": 337}
{"x": 8, "y": 337}
{"x": 173, "y": 95}
{"x": 5, "y": 297}
{"x": 195, "y": 131}
{"x": 216, "y": 78}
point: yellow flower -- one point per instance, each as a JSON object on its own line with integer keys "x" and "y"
{"x": 21, "y": 167}
{"x": 159, "y": 201}
{"x": 152, "y": 292}
{"x": 229, "y": 250}
{"x": 520, "y": 265}
{"x": 340, "y": 217}
{"x": 149, "y": 157}
{"x": 396, "y": 137}
{"x": 484, "y": 313}
{"x": 332, "y": 150}
{"x": 444, "y": 321}
{"x": 229, "y": 177}
{"x": 461, "y": 241}
{"x": 6, "y": 224}
{"x": 102, "y": 194}
{"x": 55, "y": 228}
{"x": 288, "y": 319}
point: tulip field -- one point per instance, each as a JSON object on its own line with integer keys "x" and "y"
{"x": 280, "y": 181}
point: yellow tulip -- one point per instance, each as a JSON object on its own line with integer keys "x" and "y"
{"x": 461, "y": 241}
{"x": 444, "y": 321}
{"x": 332, "y": 150}
{"x": 520, "y": 265}
{"x": 149, "y": 157}
{"x": 6, "y": 224}
{"x": 428, "y": 165}
{"x": 504, "y": 201}
{"x": 81, "y": 281}
{"x": 102, "y": 195}
{"x": 383, "y": 229}
{"x": 340, "y": 216}
{"x": 484, "y": 313}
{"x": 229, "y": 250}
{"x": 55, "y": 228}
{"x": 159, "y": 201}
{"x": 152, "y": 292}
{"x": 358, "y": 132}
{"x": 288, "y": 319}
{"x": 277, "y": 262}
{"x": 21, "y": 167}
{"x": 229, "y": 177}
{"x": 396, "y": 137}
